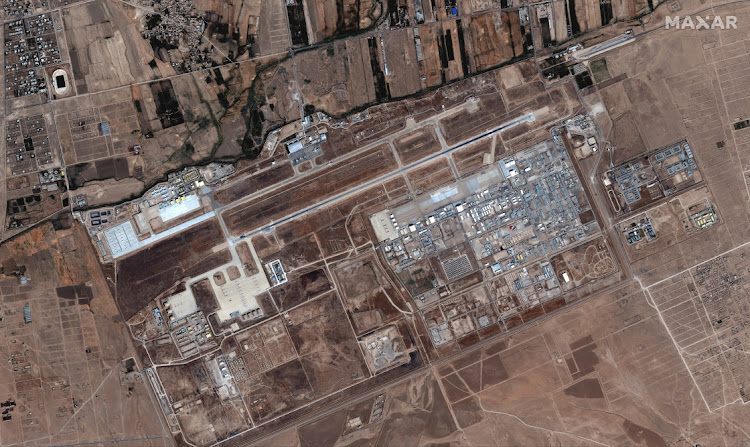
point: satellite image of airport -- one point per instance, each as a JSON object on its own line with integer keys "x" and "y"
{"x": 391, "y": 223}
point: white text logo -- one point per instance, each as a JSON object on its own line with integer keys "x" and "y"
{"x": 701, "y": 22}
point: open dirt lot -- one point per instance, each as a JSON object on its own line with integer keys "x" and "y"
{"x": 335, "y": 238}
{"x": 338, "y": 77}
{"x": 103, "y": 35}
{"x": 307, "y": 190}
{"x": 417, "y": 145}
{"x": 584, "y": 264}
{"x": 331, "y": 18}
{"x": 146, "y": 274}
{"x": 277, "y": 391}
{"x": 207, "y": 411}
{"x": 666, "y": 97}
{"x": 495, "y": 38}
{"x": 430, "y": 175}
{"x": 368, "y": 293}
{"x": 72, "y": 376}
{"x": 241, "y": 187}
{"x": 333, "y": 361}
{"x": 294, "y": 255}
{"x": 477, "y": 155}
{"x": 626, "y": 140}
{"x": 303, "y": 285}
{"x": 490, "y": 112}
{"x": 329, "y": 359}
{"x": 404, "y": 414}
{"x": 603, "y": 373}
{"x": 383, "y": 120}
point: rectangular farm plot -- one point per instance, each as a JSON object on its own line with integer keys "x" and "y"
{"x": 167, "y": 106}
{"x": 490, "y": 36}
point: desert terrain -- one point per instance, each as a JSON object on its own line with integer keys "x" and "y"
{"x": 396, "y": 223}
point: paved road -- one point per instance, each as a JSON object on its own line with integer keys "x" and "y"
{"x": 603, "y": 47}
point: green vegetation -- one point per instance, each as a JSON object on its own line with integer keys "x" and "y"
{"x": 599, "y": 70}
{"x": 189, "y": 115}
{"x": 252, "y": 143}
{"x": 204, "y": 122}
{"x": 223, "y": 100}
{"x": 20, "y": 271}
{"x": 188, "y": 149}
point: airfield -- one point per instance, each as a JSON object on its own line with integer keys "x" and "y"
{"x": 390, "y": 223}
